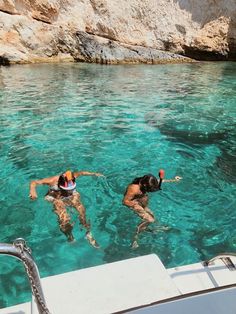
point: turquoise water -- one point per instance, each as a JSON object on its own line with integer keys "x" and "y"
{"x": 123, "y": 121}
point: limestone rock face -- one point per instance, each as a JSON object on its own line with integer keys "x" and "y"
{"x": 111, "y": 52}
{"x": 8, "y": 6}
{"x": 212, "y": 40}
{"x": 46, "y": 11}
{"x": 108, "y": 31}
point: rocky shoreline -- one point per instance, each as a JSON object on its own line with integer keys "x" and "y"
{"x": 98, "y": 31}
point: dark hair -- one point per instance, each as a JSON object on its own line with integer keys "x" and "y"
{"x": 63, "y": 181}
{"x": 148, "y": 183}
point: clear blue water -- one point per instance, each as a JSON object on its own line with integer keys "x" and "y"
{"x": 122, "y": 121}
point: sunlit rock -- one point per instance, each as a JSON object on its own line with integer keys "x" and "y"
{"x": 204, "y": 30}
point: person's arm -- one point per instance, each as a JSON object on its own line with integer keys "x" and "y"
{"x": 176, "y": 179}
{"x": 162, "y": 175}
{"x": 128, "y": 200}
{"x": 87, "y": 173}
{"x": 48, "y": 181}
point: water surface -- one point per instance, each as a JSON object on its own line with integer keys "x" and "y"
{"x": 123, "y": 121}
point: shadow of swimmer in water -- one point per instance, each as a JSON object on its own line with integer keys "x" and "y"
{"x": 136, "y": 198}
{"x": 62, "y": 193}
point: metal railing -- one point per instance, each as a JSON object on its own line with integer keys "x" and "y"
{"x": 20, "y": 250}
{"x": 225, "y": 257}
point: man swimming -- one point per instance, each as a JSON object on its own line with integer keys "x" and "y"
{"x": 136, "y": 198}
{"x": 62, "y": 193}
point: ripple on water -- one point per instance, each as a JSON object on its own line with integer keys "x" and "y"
{"x": 122, "y": 121}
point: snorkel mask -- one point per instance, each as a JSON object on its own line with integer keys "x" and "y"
{"x": 66, "y": 181}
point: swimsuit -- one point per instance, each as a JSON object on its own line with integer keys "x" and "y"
{"x": 56, "y": 193}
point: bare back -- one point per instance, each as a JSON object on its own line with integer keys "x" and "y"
{"x": 134, "y": 195}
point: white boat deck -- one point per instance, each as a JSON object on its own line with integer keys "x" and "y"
{"x": 196, "y": 277}
{"x": 135, "y": 283}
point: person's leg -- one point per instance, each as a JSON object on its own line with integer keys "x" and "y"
{"x": 63, "y": 219}
{"x": 147, "y": 218}
{"x": 76, "y": 203}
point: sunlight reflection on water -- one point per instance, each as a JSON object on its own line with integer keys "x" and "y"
{"x": 122, "y": 121}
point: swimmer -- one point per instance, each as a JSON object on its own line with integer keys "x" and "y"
{"x": 62, "y": 193}
{"x": 136, "y": 198}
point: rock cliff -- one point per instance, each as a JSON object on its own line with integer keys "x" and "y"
{"x": 108, "y": 31}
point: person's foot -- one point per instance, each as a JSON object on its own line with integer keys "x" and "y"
{"x": 70, "y": 237}
{"x": 157, "y": 229}
{"x": 135, "y": 245}
{"x": 149, "y": 230}
{"x": 91, "y": 240}
{"x": 162, "y": 228}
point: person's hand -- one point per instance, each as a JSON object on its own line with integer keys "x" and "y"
{"x": 177, "y": 178}
{"x": 33, "y": 196}
{"x": 99, "y": 174}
